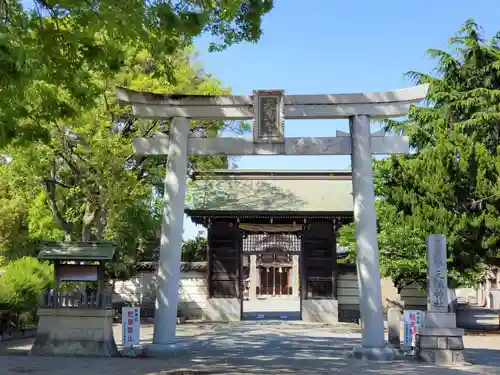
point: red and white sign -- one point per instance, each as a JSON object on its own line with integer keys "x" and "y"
{"x": 131, "y": 324}
{"x": 412, "y": 320}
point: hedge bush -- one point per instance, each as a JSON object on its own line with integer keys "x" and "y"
{"x": 21, "y": 286}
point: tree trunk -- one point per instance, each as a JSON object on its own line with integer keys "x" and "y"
{"x": 87, "y": 222}
{"x": 56, "y": 214}
{"x": 100, "y": 223}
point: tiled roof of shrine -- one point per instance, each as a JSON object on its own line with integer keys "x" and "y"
{"x": 270, "y": 191}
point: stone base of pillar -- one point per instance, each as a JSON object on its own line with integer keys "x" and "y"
{"x": 75, "y": 332}
{"x": 434, "y": 319}
{"x": 163, "y": 351}
{"x": 374, "y": 354}
{"x": 440, "y": 346}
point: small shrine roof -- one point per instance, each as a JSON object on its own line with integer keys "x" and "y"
{"x": 77, "y": 251}
{"x": 260, "y": 191}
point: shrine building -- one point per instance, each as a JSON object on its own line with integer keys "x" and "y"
{"x": 272, "y": 237}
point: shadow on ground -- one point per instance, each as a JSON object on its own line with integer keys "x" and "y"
{"x": 484, "y": 357}
{"x": 250, "y": 348}
{"x": 272, "y": 315}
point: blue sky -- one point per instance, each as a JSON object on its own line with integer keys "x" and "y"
{"x": 332, "y": 46}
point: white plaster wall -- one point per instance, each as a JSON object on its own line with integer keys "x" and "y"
{"x": 128, "y": 290}
{"x": 193, "y": 291}
{"x": 193, "y": 294}
{"x": 390, "y": 295}
{"x": 467, "y": 295}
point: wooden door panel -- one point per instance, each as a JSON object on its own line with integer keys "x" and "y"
{"x": 224, "y": 242}
{"x": 319, "y": 258}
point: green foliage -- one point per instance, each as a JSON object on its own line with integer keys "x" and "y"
{"x": 15, "y": 193}
{"x": 22, "y": 283}
{"x": 84, "y": 183}
{"x": 55, "y": 56}
{"x": 449, "y": 184}
{"x": 195, "y": 249}
{"x": 73, "y": 175}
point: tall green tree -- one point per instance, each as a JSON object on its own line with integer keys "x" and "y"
{"x": 60, "y": 52}
{"x": 83, "y": 182}
{"x": 449, "y": 183}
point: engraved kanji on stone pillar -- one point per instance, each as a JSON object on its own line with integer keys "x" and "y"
{"x": 437, "y": 274}
{"x": 269, "y": 119}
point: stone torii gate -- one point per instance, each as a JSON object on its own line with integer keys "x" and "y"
{"x": 269, "y": 109}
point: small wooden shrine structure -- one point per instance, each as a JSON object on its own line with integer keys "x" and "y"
{"x": 76, "y": 322}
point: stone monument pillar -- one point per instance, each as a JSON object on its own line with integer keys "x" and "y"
{"x": 439, "y": 341}
{"x": 252, "y": 288}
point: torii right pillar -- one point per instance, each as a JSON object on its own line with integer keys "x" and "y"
{"x": 367, "y": 258}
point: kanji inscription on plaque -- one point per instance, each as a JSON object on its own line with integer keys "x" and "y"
{"x": 269, "y": 119}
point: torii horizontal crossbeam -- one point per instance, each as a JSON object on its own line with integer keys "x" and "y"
{"x": 292, "y": 146}
{"x": 328, "y": 106}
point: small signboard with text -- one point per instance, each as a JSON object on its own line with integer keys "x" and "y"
{"x": 131, "y": 323}
{"x": 77, "y": 272}
{"x": 412, "y": 319}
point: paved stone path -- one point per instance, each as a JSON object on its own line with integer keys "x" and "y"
{"x": 267, "y": 347}
{"x": 272, "y": 307}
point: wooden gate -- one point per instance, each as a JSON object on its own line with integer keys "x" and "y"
{"x": 318, "y": 260}
{"x": 225, "y": 266}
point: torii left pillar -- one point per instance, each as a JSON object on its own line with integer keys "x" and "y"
{"x": 167, "y": 294}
